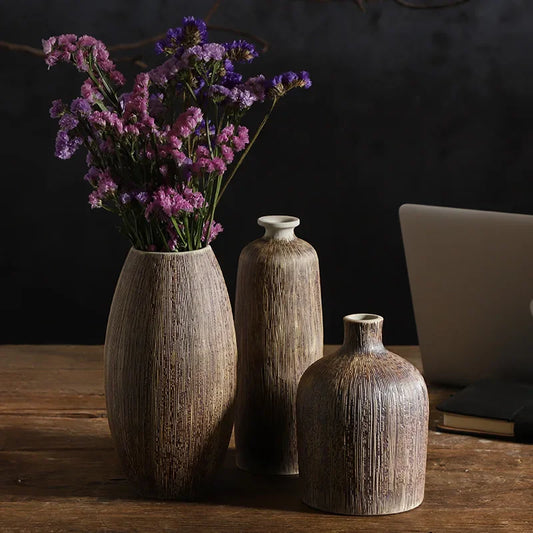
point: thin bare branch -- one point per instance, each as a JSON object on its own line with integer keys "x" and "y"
{"x": 22, "y": 48}
{"x": 412, "y": 5}
{"x": 212, "y": 11}
{"x": 136, "y": 44}
{"x": 15, "y": 47}
{"x": 245, "y": 34}
{"x": 136, "y": 60}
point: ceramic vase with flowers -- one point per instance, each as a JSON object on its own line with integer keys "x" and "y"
{"x": 160, "y": 157}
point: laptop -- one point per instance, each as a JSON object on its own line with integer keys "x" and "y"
{"x": 471, "y": 279}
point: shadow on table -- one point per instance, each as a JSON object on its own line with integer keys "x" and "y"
{"x": 238, "y": 488}
{"x": 55, "y": 462}
{"x": 44, "y": 463}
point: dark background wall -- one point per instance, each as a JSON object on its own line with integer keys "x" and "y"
{"x": 407, "y": 106}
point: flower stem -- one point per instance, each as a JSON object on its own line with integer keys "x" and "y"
{"x": 245, "y": 153}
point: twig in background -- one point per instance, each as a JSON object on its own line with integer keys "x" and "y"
{"x": 15, "y": 47}
{"x": 412, "y": 5}
{"x": 212, "y": 11}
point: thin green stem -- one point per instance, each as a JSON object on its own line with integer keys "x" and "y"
{"x": 212, "y": 214}
{"x": 245, "y": 153}
{"x": 178, "y": 231}
{"x": 164, "y": 237}
{"x": 188, "y": 233}
{"x": 191, "y": 92}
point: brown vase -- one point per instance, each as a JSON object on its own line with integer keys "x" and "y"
{"x": 278, "y": 320}
{"x": 362, "y": 427}
{"x": 170, "y": 371}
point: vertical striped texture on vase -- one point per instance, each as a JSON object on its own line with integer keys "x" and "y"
{"x": 170, "y": 369}
{"x": 362, "y": 427}
{"x": 278, "y": 320}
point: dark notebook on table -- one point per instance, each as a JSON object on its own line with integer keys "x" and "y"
{"x": 491, "y": 407}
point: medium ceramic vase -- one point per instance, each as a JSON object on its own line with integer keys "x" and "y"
{"x": 170, "y": 371}
{"x": 362, "y": 427}
{"x": 278, "y": 320}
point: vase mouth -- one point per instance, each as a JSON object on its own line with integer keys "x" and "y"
{"x": 363, "y": 318}
{"x": 144, "y": 252}
{"x": 278, "y": 221}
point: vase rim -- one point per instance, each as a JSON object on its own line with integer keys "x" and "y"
{"x": 363, "y": 318}
{"x": 144, "y": 252}
{"x": 278, "y": 221}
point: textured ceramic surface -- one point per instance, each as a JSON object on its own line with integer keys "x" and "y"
{"x": 278, "y": 319}
{"x": 170, "y": 371}
{"x": 362, "y": 427}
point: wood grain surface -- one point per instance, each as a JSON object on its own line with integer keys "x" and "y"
{"x": 362, "y": 416}
{"x": 170, "y": 363}
{"x": 59, "y": 471}
{"x": 278, "y": 321}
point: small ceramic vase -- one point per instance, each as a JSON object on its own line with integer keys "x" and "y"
{"x": 362, "y": 427}
{"x": 278, "y": 321}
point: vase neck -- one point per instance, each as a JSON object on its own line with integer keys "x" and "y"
{"x": 363, "y": 333}
{"x": 279, "y": 227}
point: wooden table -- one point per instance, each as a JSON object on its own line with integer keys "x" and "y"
{"x": 59, "y": 472}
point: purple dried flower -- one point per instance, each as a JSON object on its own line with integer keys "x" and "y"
{"x": 68, "y": 122}
{"x": 203, "y": 52}
{"x": 92, "y": 175}
{"x": 162, "y": 74}
{"x": 283, "y": 83}
{"x": 66, "y": 146}
{"x": 218, "y": 93}
{"x": 125, "y": 198}
{"x": 231, "y": 79}
{"x": 106, "y": 184}
{"x": 242, "y": 98}
{"x": 240, "y": 51}
{"x": 57, "y": 109}
{"x": 146, "y": 136}
{"x": 192, "y": 32}
{"x": 156, "y": 108}
{"x": 256, "y": 86}
{"x": 81, "y": 106}
{"x": 142, "y": 197}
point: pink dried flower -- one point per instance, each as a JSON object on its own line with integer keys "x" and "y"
{"x": 90, "y": 92}
{"x": 167, "y": 201}
{"x": 210, "y": 231}
{"x": 195, "y": 198}
{"x": 202, "y": 151}
{"x": 225, "y": 135}
{"x": 227, "y": 153}
{"x": 187, "y": 122}
{"x": 94, "y": 200}
{"x": 241, "y": 139}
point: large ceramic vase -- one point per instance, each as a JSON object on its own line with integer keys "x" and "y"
{"x": 278, "y": 320}
{"x": 362, "y": 427}
{"x": 170, "y": 371}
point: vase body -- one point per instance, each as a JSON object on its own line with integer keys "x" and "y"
{"x": 278, "y": 320}
{"x": 362, "y": 427}
{"x": 170, "y": 371}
